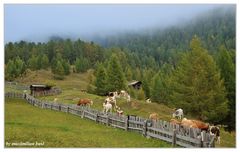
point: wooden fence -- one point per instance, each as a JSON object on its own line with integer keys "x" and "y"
{"x": 16, "y": 85}
{"x": 163, "y": 130}
{"x": 53, "y": 91}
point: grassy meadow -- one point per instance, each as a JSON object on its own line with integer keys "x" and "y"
{"x": 25, "y": 123}
{"x": 72, "y": 86}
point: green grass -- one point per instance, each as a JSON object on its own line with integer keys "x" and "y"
{"x": 73, "y": 84}
{"x": 25, "y": 123}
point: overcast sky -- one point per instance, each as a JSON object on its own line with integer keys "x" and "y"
{"x": 38, "y": 22}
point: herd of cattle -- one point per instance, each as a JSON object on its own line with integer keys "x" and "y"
{"x": 110, "y": 103}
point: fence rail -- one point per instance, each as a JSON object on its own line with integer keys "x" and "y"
{"x": 16, "y": 85}
{"x": 163, "y": 130}
{"x": 53, "y": 91}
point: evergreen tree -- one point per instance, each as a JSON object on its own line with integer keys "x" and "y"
{"x": 82, "y": 64}
{"x": 54, "y": 65}
{"x": 129, "y": 74}
{"x": 59, "y": 71}
{"x": 197, "y": 86}
{"x": 91, "y": 80}
{"x": 146, "y": 87}
{"x": 115, "y": 76}
{"x": 66, "y": 67}
{"x": 10, "y": 70}
{"x": 140, "y": 94}
{"x": 20, "y": 66}
{"x": 101, "y": 80}
{"x": 227, "y": 69}
{"x": 32, "y": 63}
{"x": 156, "y": 88}
{"x": 44, "y": 61}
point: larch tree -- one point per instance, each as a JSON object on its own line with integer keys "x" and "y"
{"x": 115, "y": 76}
{"x": 227, "y": 69}
{"x": 197, "y": 85}
{"x": 101, "y": 80}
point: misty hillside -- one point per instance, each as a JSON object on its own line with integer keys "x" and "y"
{"x": 215, "y": 27}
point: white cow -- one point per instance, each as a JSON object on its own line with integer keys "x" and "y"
{"x": 107, "y": 107}
{"x": 148, "y": 101}
{"x": 178, "y": 113}
{"x": 111, "y": 100}
{"x": 128, "y": 98}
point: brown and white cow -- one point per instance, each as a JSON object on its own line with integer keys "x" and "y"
{"x": 154, "y": 116}
{"x": 178, "y": 113}
{"x": 214, "y": 130}
{"x": 84, "y": 102}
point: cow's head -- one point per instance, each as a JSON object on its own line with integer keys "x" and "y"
{"x": 214, "y": 130}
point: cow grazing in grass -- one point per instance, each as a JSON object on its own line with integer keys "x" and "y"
{"x": 148, "y": 101}
{"x": 188, "y": 123}
{"x": 201, "y": 125}
{"x": 107, "y": 107}
{"x": 55, "y": 100}
{"x": 119, "y": 111}
{"x": 111, "y": 100}
{"x": 154, "y": 116}
{"x": 178, "y": 114}
{"x": 195, "y": 124}
{"x": 125, "y": 95}
{"x": 175, "y": 122}
{"x": 84, "y": 102}
{"x": 214, "y": 130}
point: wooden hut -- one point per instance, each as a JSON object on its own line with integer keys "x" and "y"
{"x": 135, "y": 84}
{"x": 38, "y": 88}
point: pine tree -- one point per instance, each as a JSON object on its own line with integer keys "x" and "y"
{"x": 82, "y": 64}
{"x": 66, "y": 67}
{"x": 44, "y": 61}
{"x": 227, "y": 69}
{"x": 115, "y": 76}
{"x": 20, "y": 66}
{"x": 197, "y": 86}
{"x": 101, "y": 80}
{"x": 140, "y": 94}
{"x": 54, "y": 65}
{"x": 59, "y": 71}
{"x": 146, "y": 86}
{"x": 156, "y": 88}
{"x": 129, "y": 74}
{"x": 10, "y": 70}
{"x": 32, "y": 63}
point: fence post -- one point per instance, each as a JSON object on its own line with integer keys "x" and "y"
{"x": 144, "y": 128}
{"x": 51, "y": 106}
{"x": 107, "y": 120}
{"x": 126, "y": 123}
{"x": 67, "y": 109}
{"x": 33, "y": 102}
{"x": 83, "y": 114}
{"x": 59, "y": 107}
{"x": 174, "y": 138}
{"x": 203, "y": 135}
{"x": 212, "y": 142}
{"x": 96, "y": 117}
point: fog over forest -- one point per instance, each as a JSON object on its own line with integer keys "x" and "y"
{"x": 38, "y": 23}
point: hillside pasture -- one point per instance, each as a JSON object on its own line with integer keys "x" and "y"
{"x": 74, "y": 83}
{"x": 25, "y": 123}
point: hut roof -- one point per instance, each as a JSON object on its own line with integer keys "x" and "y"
{"x": 39, "y": 85}
{"x": 134, "y": 82}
